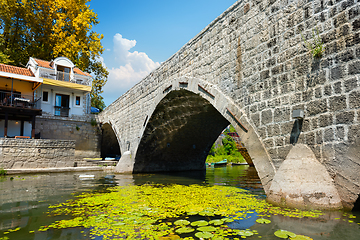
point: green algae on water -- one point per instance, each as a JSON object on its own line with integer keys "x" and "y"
{"x": 158, "y": 211}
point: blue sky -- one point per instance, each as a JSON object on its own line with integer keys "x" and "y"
{"x": 140, "y": 35}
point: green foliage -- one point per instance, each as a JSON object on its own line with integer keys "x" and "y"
{"x": 93, "y": 122}
{"x": 3, "y": 172}
{"x": 4, "y": 58}
{"x": 316, "y": 48}
{"x": 228, "y": 150}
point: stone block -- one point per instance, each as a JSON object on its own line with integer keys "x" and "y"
{"x": 346, "y": 117}
{"x": 337, "y": 87}
{"x": 354, "y": 100}
{"x": 327, "y": 90}
{"x": 266, "y": 117}
{"x": 329, "y": 135}
{"x": 337, "y": 103}
{"x": 316, "y": 107}
{"x": 310, "y": 138}
{"x": 354, "y": 133}
{"x": 340, "y": 133}
{"x": 354, "y": 68}
{"x": 337, "y": 73}
{"x": 324, "y": 120}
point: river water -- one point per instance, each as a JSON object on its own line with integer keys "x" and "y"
{"x": 24, "y": 202}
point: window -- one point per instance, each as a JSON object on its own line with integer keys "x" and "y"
{"x": 45, "y": 96}
{"x": 63, "y": 73}
{"x": 77, "y": 101}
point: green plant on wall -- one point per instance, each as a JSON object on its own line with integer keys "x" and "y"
{"x": 316, "y": 48}
{"x": 2, "y": 172}
{"x": 93, "y": 122}
{"x": 77, "y": 128}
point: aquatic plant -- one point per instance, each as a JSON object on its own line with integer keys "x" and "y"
{"x": 159, "y": 212}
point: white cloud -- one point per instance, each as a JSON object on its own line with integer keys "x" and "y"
{"x": 132, "y": 67}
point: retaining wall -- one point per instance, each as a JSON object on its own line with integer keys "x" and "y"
{"x": 36, "y": 153}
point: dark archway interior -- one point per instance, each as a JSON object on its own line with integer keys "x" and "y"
{"x": 109, "y": 143}
{"x": 357, "y": 204}
{"x": 179, "y": 134}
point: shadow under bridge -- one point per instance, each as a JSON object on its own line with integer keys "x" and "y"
{"x": 179, "y": 134}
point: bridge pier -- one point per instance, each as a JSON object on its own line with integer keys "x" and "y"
{"x": 125, "y": 164}
{"x": 303, "y": 182}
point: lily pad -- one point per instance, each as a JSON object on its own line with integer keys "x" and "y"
{"x": 228, "y": 220}
{"x": 204, "y": 235}
{"x": 284, "y": 234}
{"x": 182, "y": 222}
{"x": 216, "y": 222}
{"x": 184, "y": 230}
{"x": 263, "y": 221}
{"x": 245, "y": 233}
{"x": 199, "y": 223}
{"x": 191, "y": 213}
{"x": 301, "y": 237}
{"x": 206, "y": 229}
{"x": 170, "y": 237}
{"x": 207, "y": 213}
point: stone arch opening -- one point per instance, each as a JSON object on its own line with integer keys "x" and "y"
{"x": 356, "y": 207}
{"x": 179, "y": 134}
{"x": 109, "y": 143}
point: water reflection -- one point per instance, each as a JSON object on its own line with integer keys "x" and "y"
{"x": 25, "y": 200}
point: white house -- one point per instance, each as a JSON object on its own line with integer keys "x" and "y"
{"x": 65, "y": 89}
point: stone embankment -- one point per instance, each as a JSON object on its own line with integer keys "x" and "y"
{"x": 41, "y": 155}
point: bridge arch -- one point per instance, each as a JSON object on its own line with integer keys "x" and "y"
{"x": 186, "y": 117}
{"x": 110, "y": 146}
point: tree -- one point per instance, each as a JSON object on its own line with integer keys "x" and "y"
{"x": 48, "y": 29}
{"x": 3, "y": 57}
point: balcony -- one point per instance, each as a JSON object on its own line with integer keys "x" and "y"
{"x": 18, "y": 100}
{"x": 63, "y": 76}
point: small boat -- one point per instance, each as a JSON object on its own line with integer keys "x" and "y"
{"x": 109, "y": 159}
{"x": 92, "y": 159}
{"x": 221, "y": 163}
{"x": 236, "y": 164}
{"x": 86, "y": 176}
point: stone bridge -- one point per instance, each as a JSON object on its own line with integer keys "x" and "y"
{"x": 250, "y": 68}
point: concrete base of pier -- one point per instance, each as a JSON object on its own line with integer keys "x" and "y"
{"x": 303, "y": 182}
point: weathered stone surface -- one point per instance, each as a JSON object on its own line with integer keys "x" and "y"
{"x": 36, "y": 153}
{"x": 87, "y": 136}
{"x": 126, "y": 163}
{"x": 302, "y": 182}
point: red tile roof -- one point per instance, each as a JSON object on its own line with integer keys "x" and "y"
{"x": 47, "y": 64}
{"x": 43, "y": 63}
{"x": 78, "y": 71}
{"x": 16, "y": 70}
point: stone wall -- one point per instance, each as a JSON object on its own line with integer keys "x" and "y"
{"x": 36, "y": 153}
{"x": 254, "y": 55}
{"x": 87, "y": 136}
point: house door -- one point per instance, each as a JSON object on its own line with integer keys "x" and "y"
{"x": 62, "y": 105}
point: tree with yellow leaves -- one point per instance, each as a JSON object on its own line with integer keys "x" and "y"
{"x": 48, "y": 29}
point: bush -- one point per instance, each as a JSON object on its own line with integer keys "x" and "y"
{"x": 3, "y": 172}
